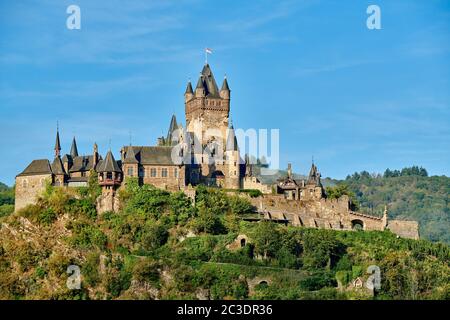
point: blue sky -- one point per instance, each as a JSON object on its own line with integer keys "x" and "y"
{"x": 356, "y": 99}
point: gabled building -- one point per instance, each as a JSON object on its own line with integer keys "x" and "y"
{"x": 204, "y": 151}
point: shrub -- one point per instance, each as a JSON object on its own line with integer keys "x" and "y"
{"x": 154, "y": 236}
{"x": 47, "y": 216}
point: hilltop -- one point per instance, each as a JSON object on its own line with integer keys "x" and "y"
{"x": 160, "y": 246}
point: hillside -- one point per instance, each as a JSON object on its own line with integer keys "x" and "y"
{"x": 6, "y": 200}
{"x": 159, "y": 246}
{"x": 410, "y": 194}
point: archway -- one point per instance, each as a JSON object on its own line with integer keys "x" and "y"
{"x": 357, "y": 224}
{"x": 243, "y": 242}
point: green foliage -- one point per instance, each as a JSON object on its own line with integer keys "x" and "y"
{"x": 86, "y": 236}
{"x": 410, "y": 195}
{"x": 6, "y": 209}
{"x": 90, "y": 269}
{"x": 83, "y": 207}
{"x": 147, "y": 242}
{"x": 321, "y": 249}
{"x": 46, "y": 216}
{"x": 318, "y": 280}
{"x": 267, "y": 239}
{"x": 154, "y": 236}
{"x": 240, "y": 205}
{"x": 342, "y": 189}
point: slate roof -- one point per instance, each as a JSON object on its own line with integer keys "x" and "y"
{"x": 57, "y": 143}
{"x": 189, "y": 88}
{"x": 82, "y": 163}
{"x": 172, "y": 127}
{"x": 57, "y": 166}
{"x": 158, "y": 155}
{"x": 40, "y": 166}
{"x": 232, "y": 144}
{"x": 225, "y": 85}
{"x": 74, "y": 149}
{"x": 207, "y": 81}
{"x": 109, "y": 164}
{"x": 130, "y": 156}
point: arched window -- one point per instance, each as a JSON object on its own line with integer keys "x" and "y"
{"x": 243, "y": 242}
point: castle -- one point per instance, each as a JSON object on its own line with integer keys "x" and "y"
{"x": 204, "y": 151}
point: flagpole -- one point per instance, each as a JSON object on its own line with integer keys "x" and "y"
{"x": 206, "y": 56}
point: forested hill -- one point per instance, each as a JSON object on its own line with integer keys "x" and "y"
{"x": 410, "y": 194}
{"x": 6, "y": 200}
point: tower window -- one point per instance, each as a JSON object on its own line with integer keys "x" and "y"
{"x": 164, "y": 172}
{"x": 109, "y": 175}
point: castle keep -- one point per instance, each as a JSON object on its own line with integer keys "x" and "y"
{"x": 203, "y": 151}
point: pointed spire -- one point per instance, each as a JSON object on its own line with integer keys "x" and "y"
{"x": 314, "y": 176}
{"x": 109, "y": 164}
{"x": 225, "y": 86}
{"x": 130, "y": 156}
{"x": 57, "y": 166}
{"x": 57, "y": 143}
{"x": 200, "y": 82}
{"x": 232, "y": 144}
{"x": 172, "y": 127}
{"x": 74, "y": 149}
{"x": 189, "y": 89}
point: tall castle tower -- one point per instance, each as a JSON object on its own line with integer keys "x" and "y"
{"x": 207, "y": 108}
{"x": 207, "y": 111}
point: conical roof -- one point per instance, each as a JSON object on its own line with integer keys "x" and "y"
{"x": 189, "y": 88}
{"x": 57, "y": 166}
{"x": 211, "y": 85}
{"x": 109, "y": 164}
{"x": 172, "y": 127}
{"x": 74, "y": 149}
{"x": 232, "y": 144}
{"x": 130, "y": 156}
{"x": 57, "y": 143}
{"x": 225, "y": 86}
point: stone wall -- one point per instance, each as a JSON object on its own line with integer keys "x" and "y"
{"x": 28, "y": 188}
{"x": 405, "y": 229}
{"x": 253, "y": 183}
{"x": 170, "y": 182}
{"x": 328, "y": 214}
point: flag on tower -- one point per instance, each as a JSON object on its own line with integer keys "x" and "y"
{"x": 208, "y": 50}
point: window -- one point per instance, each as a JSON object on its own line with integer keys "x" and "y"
{"x": 175, "y": 172}
{"x": 130, "y": 171}
{"x": 109, "y": 175}
{"x": 153, "y": 172}
{"x": 164, "y": 172}
{"x": 25, "y": 183}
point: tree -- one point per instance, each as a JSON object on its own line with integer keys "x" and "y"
{"x": 267, "y": 239}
